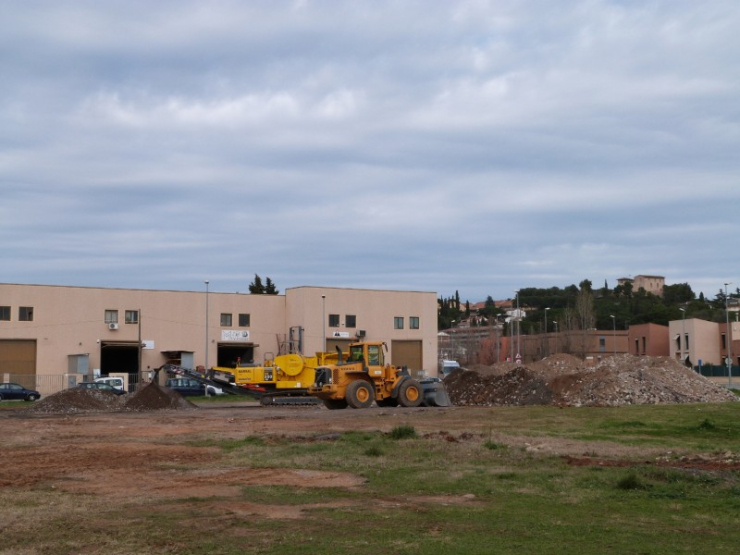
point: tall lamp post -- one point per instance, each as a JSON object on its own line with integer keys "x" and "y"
{"x": 323, "y": 320}
{"x": 546, "y": 342}
{"x": 206, "y": 282}
{"x": 729, "y": 338}
{"x": 682, "y": 338}
{"x": 518, "y": 327}
{"x": 614, "y": 333}
{"x": 557, "y": 337}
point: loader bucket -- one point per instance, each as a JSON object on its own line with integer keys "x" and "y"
{"x": 435, "y": 394}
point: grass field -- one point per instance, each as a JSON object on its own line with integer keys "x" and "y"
{"x": 638, "y": 479}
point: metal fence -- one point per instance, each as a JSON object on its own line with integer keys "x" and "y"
{"x": 713, "y": 371}
{"x": 54, "y": 383}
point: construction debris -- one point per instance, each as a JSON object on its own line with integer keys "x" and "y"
{"x": 76, "y": 400}
{"x": 565, "y": 380}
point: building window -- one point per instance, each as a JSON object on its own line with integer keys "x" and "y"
{"x": 686, "y": 341}
{"x": 5, "y": 313}
{"x": 244, "y": 320}
{"x": 637, "y": 346}
{"x": 350, "y": 321}
{"x": 132, "y": 317}
{"x": 724, "y": 342}
{"x": 413, "y": 322}
{"x": 644, "y": 345}
{"x": 333, "y": 320}
{"x": 398, "y": 323}
{"x": 25, "y": 314}
{"x": 226, "y": 319}
{"x": 111, "y": 316}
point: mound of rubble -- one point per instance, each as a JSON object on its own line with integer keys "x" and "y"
{"x": 565, "y": 380}
{"x": 76, "y": 400}
{"x": 153, "y": 397}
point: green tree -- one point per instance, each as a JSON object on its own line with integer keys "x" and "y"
{"x": 270, "y": 288}
{"x": 256, "y": 287}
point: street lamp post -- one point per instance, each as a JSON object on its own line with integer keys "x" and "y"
{"x": 323, "y": 319}
{"x": 557, "y": 346}
{"x": 545, "y": 336}
{"x": 729, "y": 339}
{"x": 614, "y": 333}
{"x": 682, "y": 338}
{"x": 206, "y": 362}
{"x": 518, "y": 328}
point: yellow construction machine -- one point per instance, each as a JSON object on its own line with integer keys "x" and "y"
{"x": 282, "y": 379}
{"x": 364, "y": 377}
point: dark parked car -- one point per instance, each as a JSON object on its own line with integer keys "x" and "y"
{"x": 191, "y": 387}
{"x": 101, "y": 386}
{"x": 15, "y": 391}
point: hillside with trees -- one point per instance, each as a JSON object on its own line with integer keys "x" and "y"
{"x": 583, "y": 307}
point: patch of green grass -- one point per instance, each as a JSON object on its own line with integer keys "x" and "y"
{"x": 403, "y": 432}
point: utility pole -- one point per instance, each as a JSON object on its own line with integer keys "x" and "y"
{"x": 729, "y": 338}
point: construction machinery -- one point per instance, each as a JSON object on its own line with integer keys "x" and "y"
{"x": 279, "y": 380}
{"x": 364, "y": 377}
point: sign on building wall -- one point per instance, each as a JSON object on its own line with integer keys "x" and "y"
{"x": 344, "y": 334}
{"x": 234, "y": 335}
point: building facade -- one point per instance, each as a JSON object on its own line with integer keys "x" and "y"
{"x": 73, "y": 333}
{"x": 648, "y": 340}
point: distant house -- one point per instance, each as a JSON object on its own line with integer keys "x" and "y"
{"x": 651, "y": 284}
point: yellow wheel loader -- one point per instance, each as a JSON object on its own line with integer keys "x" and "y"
{"x": 365, "y": 377}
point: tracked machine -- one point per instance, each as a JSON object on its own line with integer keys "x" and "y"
{"x": 364, "y": 378}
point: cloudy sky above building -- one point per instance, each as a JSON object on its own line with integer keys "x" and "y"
{"x": 479, "y": 146}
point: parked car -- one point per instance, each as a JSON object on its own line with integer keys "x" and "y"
{"x": 101, "y": 386}
{"x": 116, "y": 382}
{"x": 190, "y": 387}
{"x": 14, "y": 391}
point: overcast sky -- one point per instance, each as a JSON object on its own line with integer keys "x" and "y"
{"x": 479, "y": 146}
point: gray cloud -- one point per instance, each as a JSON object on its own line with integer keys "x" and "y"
{"x": 481, "y": 146}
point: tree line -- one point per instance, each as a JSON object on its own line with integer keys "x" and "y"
{"x": 584, "y": 307}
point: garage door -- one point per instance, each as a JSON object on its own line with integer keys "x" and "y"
{"x": 407, "y": 353}
{"x": 18, "y": 357}
{"x": 332, "y": 344}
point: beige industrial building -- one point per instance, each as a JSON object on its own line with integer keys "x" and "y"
{"x": 54, "y": 336}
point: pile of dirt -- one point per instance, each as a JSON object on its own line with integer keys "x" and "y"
{"x": 77, "y": 400}
{"x": 153, "y": 397}
{"x": 568, "y": 381}
{"x": 70, "y": 401}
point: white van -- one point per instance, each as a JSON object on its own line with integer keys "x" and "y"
{"x": 113, "y": 382}
{"x": 447, "y": 367}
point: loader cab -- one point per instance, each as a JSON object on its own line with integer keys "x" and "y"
{"x": 370, "y": 354}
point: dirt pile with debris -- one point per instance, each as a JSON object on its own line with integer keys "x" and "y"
{"x": 569, "y": 381}
{"x": 77, "y": 400}
{"x": 154, "y": 397}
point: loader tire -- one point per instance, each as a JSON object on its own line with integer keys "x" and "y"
{"x": 360, "y": 394}
{"x": 335, "y": 404}
{"x": 410, "y": 394}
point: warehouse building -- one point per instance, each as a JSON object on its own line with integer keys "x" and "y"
{"x": 52, "y": 337}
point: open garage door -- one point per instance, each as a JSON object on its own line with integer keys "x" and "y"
{"x": 18, "y": 357}
{"x": 230, "y": 355}
{"x": 408, "y": 354}
{"x": 119, "y": 358}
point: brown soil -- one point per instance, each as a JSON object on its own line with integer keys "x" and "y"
{"x": 132, "y": 448}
